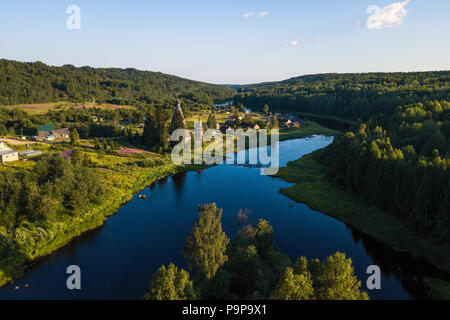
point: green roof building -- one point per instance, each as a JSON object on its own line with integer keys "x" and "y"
{"x": 46, "y": 127}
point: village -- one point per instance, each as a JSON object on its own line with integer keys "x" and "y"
{"x": 226, "y": 118}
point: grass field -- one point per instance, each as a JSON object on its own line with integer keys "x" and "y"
{"x": 42, "y": 108}
{"x": 313, "y": 188}
{"x": 308, "y": 129}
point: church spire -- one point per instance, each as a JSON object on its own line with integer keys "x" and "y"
{"x": 178, "y": 121}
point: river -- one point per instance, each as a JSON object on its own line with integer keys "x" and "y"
{"x": 118, "y": 259}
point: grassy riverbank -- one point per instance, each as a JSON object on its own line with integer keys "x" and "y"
{"x": 313, "y": 188}
{"x": 121, "y": 181}
{"x": 308, "y": 129}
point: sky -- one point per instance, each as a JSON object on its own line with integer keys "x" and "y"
{"x": 232, "y": 41}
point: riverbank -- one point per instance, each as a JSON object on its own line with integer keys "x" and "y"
{"x": 308, "y": 129}
{"x": 121, "y": 185}
{"x": 122, "y": 177}
{"x": 314, "y": 189}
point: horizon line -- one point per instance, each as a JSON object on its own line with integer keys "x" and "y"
{"x": 229, "y": 84}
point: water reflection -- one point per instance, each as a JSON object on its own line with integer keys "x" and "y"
{"x": 119, "y": 258}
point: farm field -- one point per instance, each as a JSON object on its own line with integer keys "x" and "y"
{"x": 42, "y": 108}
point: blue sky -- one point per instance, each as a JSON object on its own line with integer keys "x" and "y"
{"x": 233, "y": 41}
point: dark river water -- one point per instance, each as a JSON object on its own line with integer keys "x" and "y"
{"x": 118, "y": 259}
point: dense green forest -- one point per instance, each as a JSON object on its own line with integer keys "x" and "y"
{"x": 397, "y": 155}
{"x": 37, "y": 82}
{"x": 400, "y": 163}
{"x": 54, "y": 187}
{"x": 16, "y": 121}
{"x": 350, "y": 96}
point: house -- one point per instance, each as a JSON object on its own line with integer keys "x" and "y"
{"x": 7, "y": 154}
{"x": 286, "y": 123}
{"x": 60, "y": 134}
{"x": 48, "y": 132}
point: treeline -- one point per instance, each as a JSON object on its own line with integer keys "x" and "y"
{"x": 350, "y": 96}
{"x": 250, "y": 267}
{"x": 22, "y": 82}
{"x": 400, "y": 163}
{"x": 16, "y": 121}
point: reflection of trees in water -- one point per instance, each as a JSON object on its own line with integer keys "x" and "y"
{"x": 178, "y": 183}
{"x": 242, "y": 216}
{"x": 408, "y": 270}
{"x": 162, "y": 181}
{"x": 70, "y": 250}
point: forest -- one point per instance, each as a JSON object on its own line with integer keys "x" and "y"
{"x": 397, "y": 154}
{"x": 348, "y": 96}
{"x": 400, "y": 164}
{"x": 23, "y": 82}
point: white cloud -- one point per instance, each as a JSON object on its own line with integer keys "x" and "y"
{"x": 291, "y": 44}
{"x": 316, "y": 42}
{"x": 258, "y": 15}
{"x": 262, "y": 14}
{"x": 389, "y": 17}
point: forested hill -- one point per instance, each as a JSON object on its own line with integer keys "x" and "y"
{"x": 351, "y": 96}
{"x": 22, "y": 82}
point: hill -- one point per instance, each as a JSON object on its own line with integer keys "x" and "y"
{"x": 350, "y": 96}
{"x": 24, "y": 82}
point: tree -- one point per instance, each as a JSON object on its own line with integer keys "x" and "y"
{"x": 74, "y": 138}
{"x": 266, "y": 109}
{"x": 77, "y": 158}
{"x": 206, "y": 243}
{"x": 3, "y": 130}
{"x": 211, "y": 122}
{"x": 263, "y": 237}
{"x": 171, "y": 284}
{"x": 178, "y": 122}
{"x": 334, "y": 279}
{"x": 274, "y": 124}
{"x": 101, "y": 156}
{"x": 97, "y": 145}
{"x": 294, "y": 286}
{"x": 155, "y": 130}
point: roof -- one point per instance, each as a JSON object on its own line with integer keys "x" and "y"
{"x": 67, "y": 154}
{"x": 46, "y": 127}
{"x": 43, "y": 134}
{"x": 4, "y": 147}
{"x": 60, "y": 131}
{"x": 7, "y": 152}
{"x": 30, "y": 152}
